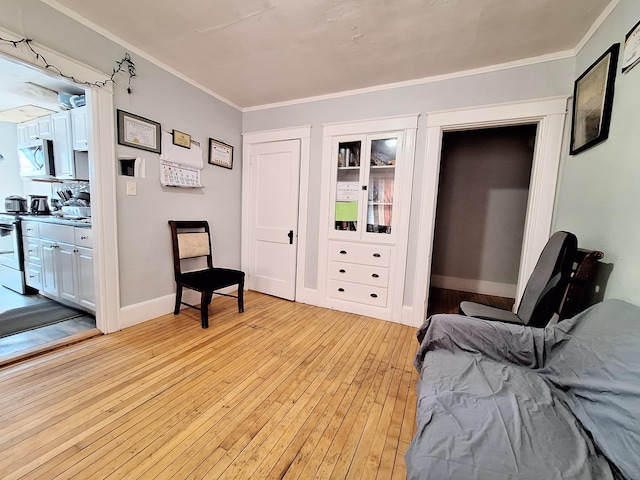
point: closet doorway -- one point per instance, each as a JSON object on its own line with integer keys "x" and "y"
{"x": 549, "y": 116}
{"x": 481, "y": 209}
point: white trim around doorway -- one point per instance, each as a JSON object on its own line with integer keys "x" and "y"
{"x": 303, "y": 134}
{"x": 549, "y": 114}
{"x": 102, "y": 174}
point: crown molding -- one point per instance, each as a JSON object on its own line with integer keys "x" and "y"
{"x": 420, "y": 81}
{"x": 150, "y": 58}
{"x": 596, "y": 25}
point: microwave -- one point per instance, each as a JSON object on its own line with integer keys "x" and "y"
{"x": 36, "y": 160}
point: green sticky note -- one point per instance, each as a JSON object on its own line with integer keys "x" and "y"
{"x": 346, "y": 211}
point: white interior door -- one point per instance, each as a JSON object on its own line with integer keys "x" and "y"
{"x": 275, "y": 180}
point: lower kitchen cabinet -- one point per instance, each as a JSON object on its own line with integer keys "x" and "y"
{"x": 65, "y": 269}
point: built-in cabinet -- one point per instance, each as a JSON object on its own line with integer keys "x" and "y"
{"x": 62, "y": 146}
{"x": 59, "y": 262}
{"x": 367, "y": 179}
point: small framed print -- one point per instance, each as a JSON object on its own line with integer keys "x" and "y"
{"x": 138, "y": 132}
{"x": 181, "y": 139}
{"x": 220, "y": 154}
{"x": 593, "y": 102}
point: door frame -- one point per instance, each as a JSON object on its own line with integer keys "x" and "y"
{"x": 549, "y": 115}
{"x": 303, "y": 134}
{"x": 102, "y": 174}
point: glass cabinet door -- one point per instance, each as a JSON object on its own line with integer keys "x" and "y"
{"x": 348, "y": 186}
{"x": 382, "y": 170}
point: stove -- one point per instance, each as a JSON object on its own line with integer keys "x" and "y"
{"x": 11, "y": 255}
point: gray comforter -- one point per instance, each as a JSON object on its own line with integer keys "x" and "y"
{"x": 499, "y": 401}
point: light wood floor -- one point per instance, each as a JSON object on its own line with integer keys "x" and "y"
{"x": 283, "y": 390}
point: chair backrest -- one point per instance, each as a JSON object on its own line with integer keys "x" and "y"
{"x": 548, "y": 282}
{"x": 190, "y": 239}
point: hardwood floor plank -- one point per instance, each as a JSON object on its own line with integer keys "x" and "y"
{"x": 284, "y": 390}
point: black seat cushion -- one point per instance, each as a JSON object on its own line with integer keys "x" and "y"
{"x": 211, "y": 279}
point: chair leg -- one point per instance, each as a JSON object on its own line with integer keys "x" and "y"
{"x": 176, "y": 309}
{"x": 241, "y": 296}
{"x": 205, "y": 300}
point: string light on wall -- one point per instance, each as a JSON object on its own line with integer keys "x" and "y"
{"x": 125, "y": 64}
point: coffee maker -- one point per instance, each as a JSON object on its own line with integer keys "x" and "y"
{"x": 39, "y": 205}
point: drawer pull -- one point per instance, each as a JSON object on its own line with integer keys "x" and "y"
{"x": 375, "y": 275}
{"x": 374, "y": 295}
{"x": 377, "y": 255}
{"x": 83, "y": 237}
{"x": 343, "y": 252}
{"x": 342, "y": 270}
{"x": 341, "y": 289}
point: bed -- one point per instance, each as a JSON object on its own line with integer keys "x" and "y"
{"x": 501, "y": 401}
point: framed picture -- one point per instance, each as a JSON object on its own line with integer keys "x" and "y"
{"x": 220, "y": 154}
{"x": 181, "y": 139}
{"x": 592, "y": 102}
{"x": 631, "y": 53}
{"x": 138, "y": 132}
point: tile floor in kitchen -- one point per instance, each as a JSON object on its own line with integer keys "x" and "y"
{"x": 39, "y": 336}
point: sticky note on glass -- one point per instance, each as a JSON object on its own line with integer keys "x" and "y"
{"x": 346, "y": 211}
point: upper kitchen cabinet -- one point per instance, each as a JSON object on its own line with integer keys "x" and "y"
{"x": 79, "y": 128}
{"x": 62, "y": 145}
{"x": 33, "y": 130}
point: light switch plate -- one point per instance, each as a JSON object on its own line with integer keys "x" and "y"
{"x": 131, "y": 188}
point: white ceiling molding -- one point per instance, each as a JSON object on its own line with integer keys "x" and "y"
{"x": 419, "y": 81}
{"x": 277, "y": 54}
{"x": 603, "y": 16}
{"x": 114, "y": 38}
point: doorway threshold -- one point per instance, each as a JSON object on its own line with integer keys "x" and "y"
{"x": 10, "y": 355}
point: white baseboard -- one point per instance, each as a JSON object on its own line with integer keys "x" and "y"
{"x": 482, "y": 287}
{"x": 308, "y": 296}
{"x": 141, "y": 312}
{"x": 407, "y": 317}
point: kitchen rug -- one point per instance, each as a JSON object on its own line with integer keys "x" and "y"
{"x": 42, "y": 314}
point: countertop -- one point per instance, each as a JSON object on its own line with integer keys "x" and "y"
{"x": 84, "y": 223}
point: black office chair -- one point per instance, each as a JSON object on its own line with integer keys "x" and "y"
{"x": 544, "y": 291}
{"x": 192, "y": 239}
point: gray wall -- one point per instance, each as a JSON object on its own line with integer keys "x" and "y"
{"x": 10, "y": 181}
{"x": 599, "y": 194}
{"x": 143, "y": 235}
{"x": 517, "y": 84}
{"x": 482, "y": 203}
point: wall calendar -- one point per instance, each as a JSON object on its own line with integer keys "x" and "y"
{"x": 177, "y": 175}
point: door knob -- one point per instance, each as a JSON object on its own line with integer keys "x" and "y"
{"x": 290, "y": 235}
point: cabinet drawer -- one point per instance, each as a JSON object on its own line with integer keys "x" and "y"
{"x": 365, "y": 274}
{"x": 83, "y": 237}
{"x": 375, "y": 255}
{"x": 30, "y": 229}
{"x": 31, "y": 247}
{"x": 33, "y": 275}
{"x": 354, "y": 292}
{"x": 58, "y": 233}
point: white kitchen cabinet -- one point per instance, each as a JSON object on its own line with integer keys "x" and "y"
{"x": 366, "y": 184}
{"x": 49, "y": 265}
{"x": 33, "y": 130}
{"x": 45, "y": 130}
{"x": 84, "y": 273}
{"x": 23, "y": 135}
{"x": 79, "y": 128}
{"x": 32, "y": 254}
{"x": 62, "y": 265}
{"x": 62, "y": 146}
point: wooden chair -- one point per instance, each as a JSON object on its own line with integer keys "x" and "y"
{"x": 192, "y": 240}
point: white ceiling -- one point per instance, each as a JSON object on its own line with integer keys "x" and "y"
{"x": 256, "y": 52}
